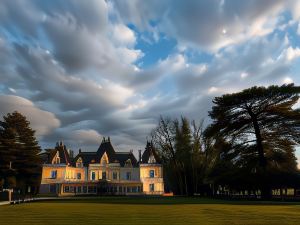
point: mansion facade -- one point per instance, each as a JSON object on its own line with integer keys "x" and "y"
{"x": 105, "y": 172}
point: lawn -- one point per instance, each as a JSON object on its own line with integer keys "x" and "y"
{"x": 117, "y": 210}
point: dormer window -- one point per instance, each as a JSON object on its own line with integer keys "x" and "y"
{"x": 104, "y": 159}
{"x": 79, "y": 162}
{"x": 56, "y": 159}
{"x": 128, "y": 163}
{"x": 151, "y": 159}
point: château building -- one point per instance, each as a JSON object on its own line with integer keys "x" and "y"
{"x": 104, "y": 172}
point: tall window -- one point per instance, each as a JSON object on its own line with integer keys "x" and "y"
{"x": 128, "y": 175}
{"x": 93, "y": 176}
{"x": 115, "y": 175}
{"x": 53, "y": 174}
{"x": 151, "y": 173}
{"x": 151, "y": 187}
{"x": 78, "y": 176}
{"x": 104, "y": 175}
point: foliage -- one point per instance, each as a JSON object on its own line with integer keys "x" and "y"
{"x": 263, "y": 129}
{"x": 19, "y": 149}
{"x": 180, "y": 145}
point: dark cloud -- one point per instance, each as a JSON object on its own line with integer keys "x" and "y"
{"x": 72, "y": 66}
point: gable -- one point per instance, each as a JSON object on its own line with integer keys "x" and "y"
{"x": 104, "y": 159}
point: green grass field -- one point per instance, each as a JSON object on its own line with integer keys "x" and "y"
{"x": 173, "y": 210}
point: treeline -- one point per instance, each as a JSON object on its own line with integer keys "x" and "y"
{"x": 249, "y": 147}
{"x": 20, "y": 164}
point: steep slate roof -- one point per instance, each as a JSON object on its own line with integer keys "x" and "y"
{"x": 107, "y": 147}
{"x": 62, "y": 151}
{"x": 150, "y": 150}
{"x": 86, "y": 157}
{"x": 122, "y": 157}
{"x": 113, "y": 156}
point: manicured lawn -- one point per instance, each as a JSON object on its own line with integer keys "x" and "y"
{"x": 116, "y": 210}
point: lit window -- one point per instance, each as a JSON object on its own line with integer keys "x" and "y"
{"x": 151, "y": 173}
{"x": 151, "y": 187}
{"x": 104, "y": 175}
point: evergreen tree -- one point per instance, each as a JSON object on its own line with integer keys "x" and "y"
{"x": 7, "y": 157}
{"x": 22, "y": 149}
{"x": 180, "y": 146}
{"x": 263, "y": 127}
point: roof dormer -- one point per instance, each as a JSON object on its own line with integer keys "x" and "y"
{"x": 56, "y": 158}
{"x": 104, "y": 159}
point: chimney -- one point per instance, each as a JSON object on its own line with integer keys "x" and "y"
{"x": 80, "y": 150}
{"x": 140, "y": 155}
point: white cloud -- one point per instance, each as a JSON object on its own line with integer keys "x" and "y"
{"x": 287, "y": 80}
{"x": 84, "y": 137}
{"x": 213, "y": 90}
{"x": 244, "y": 75}
{"x": 123, "y": 35}
{"x": 291, "y": 53}
{"x": 42, "y": 121}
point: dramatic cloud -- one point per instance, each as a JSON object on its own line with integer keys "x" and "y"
{"x": 42, "y": 121}
{"x": 80, "y": 71}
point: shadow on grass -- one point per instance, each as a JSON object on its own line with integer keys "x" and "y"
{"x": 136, "y": 200}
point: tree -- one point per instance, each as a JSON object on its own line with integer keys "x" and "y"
{"x": 263, "y": 127}
{"x": 20, "y": 151}
{"x": 180, "y": 146}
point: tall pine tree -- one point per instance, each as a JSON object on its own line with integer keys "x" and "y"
{"x": 21, "y": 147}
{"x": 263, "y": 126}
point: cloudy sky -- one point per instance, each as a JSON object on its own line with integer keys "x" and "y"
{"x": 80, "y": 70}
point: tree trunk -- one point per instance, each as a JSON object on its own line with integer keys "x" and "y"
{"x": 266, "y": 190}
